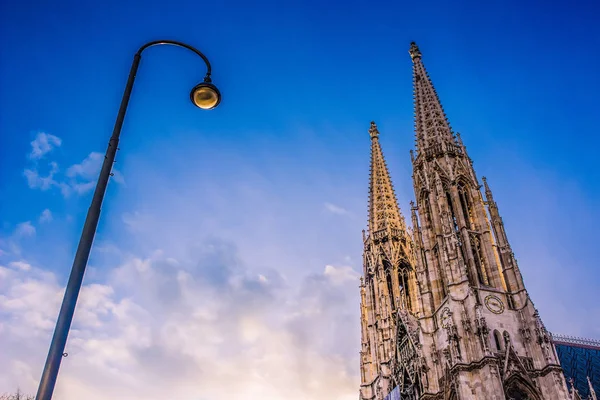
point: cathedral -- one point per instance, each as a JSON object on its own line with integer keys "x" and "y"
{"x": 444, "y": 310}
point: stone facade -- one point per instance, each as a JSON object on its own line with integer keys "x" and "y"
{"x": 444, "y": 310}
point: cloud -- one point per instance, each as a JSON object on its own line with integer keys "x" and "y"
{"x": 88, "y": 169}
{"x": 79, "y": 178}
{"x": 194, "y": 324}
{"x": 43, "y": 144}
{"x": 340, "y": 275}
{"x": 85, "y": 174}
{"x": 332, "y": 208}
{"x": 25, "y": 229}
{"x": 23, "y": 266}
{"x": 46, "y": 216}
{"x": 36, "y": 181}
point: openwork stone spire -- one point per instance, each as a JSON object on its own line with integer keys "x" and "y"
{"x": 431, "y": 125}
{"x": 383, "y": 206}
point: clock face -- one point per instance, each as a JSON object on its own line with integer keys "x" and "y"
{"x": 494, "y": 304}
{"x": 445, "y": 318}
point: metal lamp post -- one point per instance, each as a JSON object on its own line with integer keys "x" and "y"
{"x": 205, "y": 95}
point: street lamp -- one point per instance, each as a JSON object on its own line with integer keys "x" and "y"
{"x": 205, "y": 95}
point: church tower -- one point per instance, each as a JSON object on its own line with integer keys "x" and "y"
{"x": 461, "y": 325}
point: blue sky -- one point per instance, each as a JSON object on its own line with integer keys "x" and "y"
{"x": 272, "y": 185}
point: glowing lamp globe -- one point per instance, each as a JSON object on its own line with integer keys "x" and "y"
{"x": 205, "y": 95}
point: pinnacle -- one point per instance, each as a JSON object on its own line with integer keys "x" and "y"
{"x": 488, "y": 191}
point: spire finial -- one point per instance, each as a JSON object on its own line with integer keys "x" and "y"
{"x": 414, "y": 51}
{"x": 373, "y": 130}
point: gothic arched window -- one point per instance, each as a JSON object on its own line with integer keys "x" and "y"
{"x": 390, "y": 286}
{"x": 403, "y": 272}
{"x": 442, "y": 279}
{"x": 517, "y": 388}
{"x": 426, "y": 209}
{"x": 479, "y": 259}
{"x": 465, "y": 204}
{"x": 452, "y": 213}
{"x": 498, "y": 340}
{"x": 372, "y": 292}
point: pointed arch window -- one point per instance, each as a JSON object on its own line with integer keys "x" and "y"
{"x": 426, "y": 208}
{"x": 498, "y": 340}
{"x": 451, "y": 209}
{"x": 517, "y": 388}
{"x": 372, "y": 293}
{"x": 479, "y": 259}
{"x": 404, "y": 289}
{"x": 390, "y": 286}
{"x": 465, "y": 204}
{"x": 442, "y": 279}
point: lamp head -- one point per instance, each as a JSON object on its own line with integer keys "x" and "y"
{"x": 205, "y": 95}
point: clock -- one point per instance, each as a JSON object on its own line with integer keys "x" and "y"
{"x": 494, "y": 304}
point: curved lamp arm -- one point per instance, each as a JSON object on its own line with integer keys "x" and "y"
{"x": 179, "y": 44}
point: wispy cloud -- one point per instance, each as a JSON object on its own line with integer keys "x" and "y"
{"x": 21, "y": 265}
{"x": 46, "y": 216}
{"x": 341, "y": 275}
{"x": 43, "y": 144}
{"x": 25, "y": 229}
{"x": 334, "y": 209}
{"x": 36, "y": 181}
{"x": 83, "y": 176}
{"x": 79, "y": 178}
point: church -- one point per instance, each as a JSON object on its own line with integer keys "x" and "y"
{"x": 444, "y": 311}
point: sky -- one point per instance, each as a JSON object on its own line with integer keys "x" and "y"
{"x": 228, "y": 253}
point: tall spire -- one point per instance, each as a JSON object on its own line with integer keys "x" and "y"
{"x": 431, "y": 124}
{"x": 383, "y": 206}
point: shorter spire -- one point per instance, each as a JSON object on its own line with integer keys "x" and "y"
{"x": 414, "y": 51}
{"x": 383, "y": 205}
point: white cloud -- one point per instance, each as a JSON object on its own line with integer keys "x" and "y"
{"x": 83, "y": 176}
{"x": 25, "y": 229}
{"x": 46, "y": 216}
{"x": 332, "y": 208}
{"x": 78, "y": 178}
{"x": 88, "y": 169}
{"x": 23, "y": 266}
{"x": 43, "y": 144}
{"x": 195, "y": 326}
{"x": 339, "y": 275}
{"x": 36, "y": 181}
